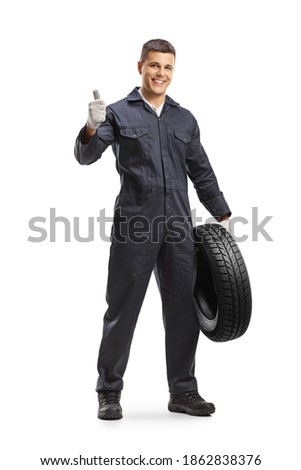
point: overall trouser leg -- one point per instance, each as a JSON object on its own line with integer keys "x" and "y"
{"x": 130, "y": 268}
{"x": 175, "y": 274}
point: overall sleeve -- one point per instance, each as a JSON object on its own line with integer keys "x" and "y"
{"x": 86, "y": 154}
{"x": 203, "y": 178}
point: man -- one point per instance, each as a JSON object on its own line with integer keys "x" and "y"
{"x": 156, "y": 143}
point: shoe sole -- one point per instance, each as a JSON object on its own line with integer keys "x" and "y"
{"x": 188, "y": 411}
{"x": 110, "y": 417}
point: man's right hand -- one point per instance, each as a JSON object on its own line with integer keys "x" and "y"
{"x": 97, "y": 112}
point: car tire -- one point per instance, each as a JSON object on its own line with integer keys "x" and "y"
{"x": 222, "y": 291}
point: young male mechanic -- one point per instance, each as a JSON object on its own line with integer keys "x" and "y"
{"x": 156, "y": 143}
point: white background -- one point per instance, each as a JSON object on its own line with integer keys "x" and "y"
{"x": 238, "y": 71}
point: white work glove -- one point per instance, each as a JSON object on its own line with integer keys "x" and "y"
{"x": 97, "y": 111}
{"x": 226, "y": 224}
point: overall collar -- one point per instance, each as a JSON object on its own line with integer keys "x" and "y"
{"x": 135, "y": 96}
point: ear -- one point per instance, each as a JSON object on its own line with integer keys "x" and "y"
{"x": 139, "y": 66}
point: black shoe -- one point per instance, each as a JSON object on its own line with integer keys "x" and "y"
{"x": 190, "y": 403}
{"x": 109, "y": 404}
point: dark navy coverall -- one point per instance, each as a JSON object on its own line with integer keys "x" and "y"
{"x": 152, "y": 230}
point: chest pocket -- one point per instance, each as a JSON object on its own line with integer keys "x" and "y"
{"x": 133, "y": 132}
{"x": 183, "y": 136}
{"x": 134, "y": 144}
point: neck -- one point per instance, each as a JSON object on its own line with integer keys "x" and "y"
{"x": 153, "y": 99}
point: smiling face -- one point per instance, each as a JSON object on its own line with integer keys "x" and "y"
{"x": 156, "y": 71}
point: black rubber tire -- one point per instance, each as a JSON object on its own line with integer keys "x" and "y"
{"x": 222, "y": 292}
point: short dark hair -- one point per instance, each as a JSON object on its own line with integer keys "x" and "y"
{"x": 157, "y": 45}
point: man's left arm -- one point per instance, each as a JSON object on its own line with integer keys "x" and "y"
{"x": 204, "y": 180}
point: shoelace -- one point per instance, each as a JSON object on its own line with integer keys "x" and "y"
{"x": 191, "y": 396}
{"x": 111, "y": 396}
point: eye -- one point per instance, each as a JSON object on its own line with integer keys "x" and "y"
{"x": 169, "y": 67}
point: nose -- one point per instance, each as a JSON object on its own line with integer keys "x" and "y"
{"x": 160, "y": 72}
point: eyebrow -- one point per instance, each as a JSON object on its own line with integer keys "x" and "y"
{"x": 157, "y": 63}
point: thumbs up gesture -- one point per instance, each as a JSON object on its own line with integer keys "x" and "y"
{"x": 97, "y": 111}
